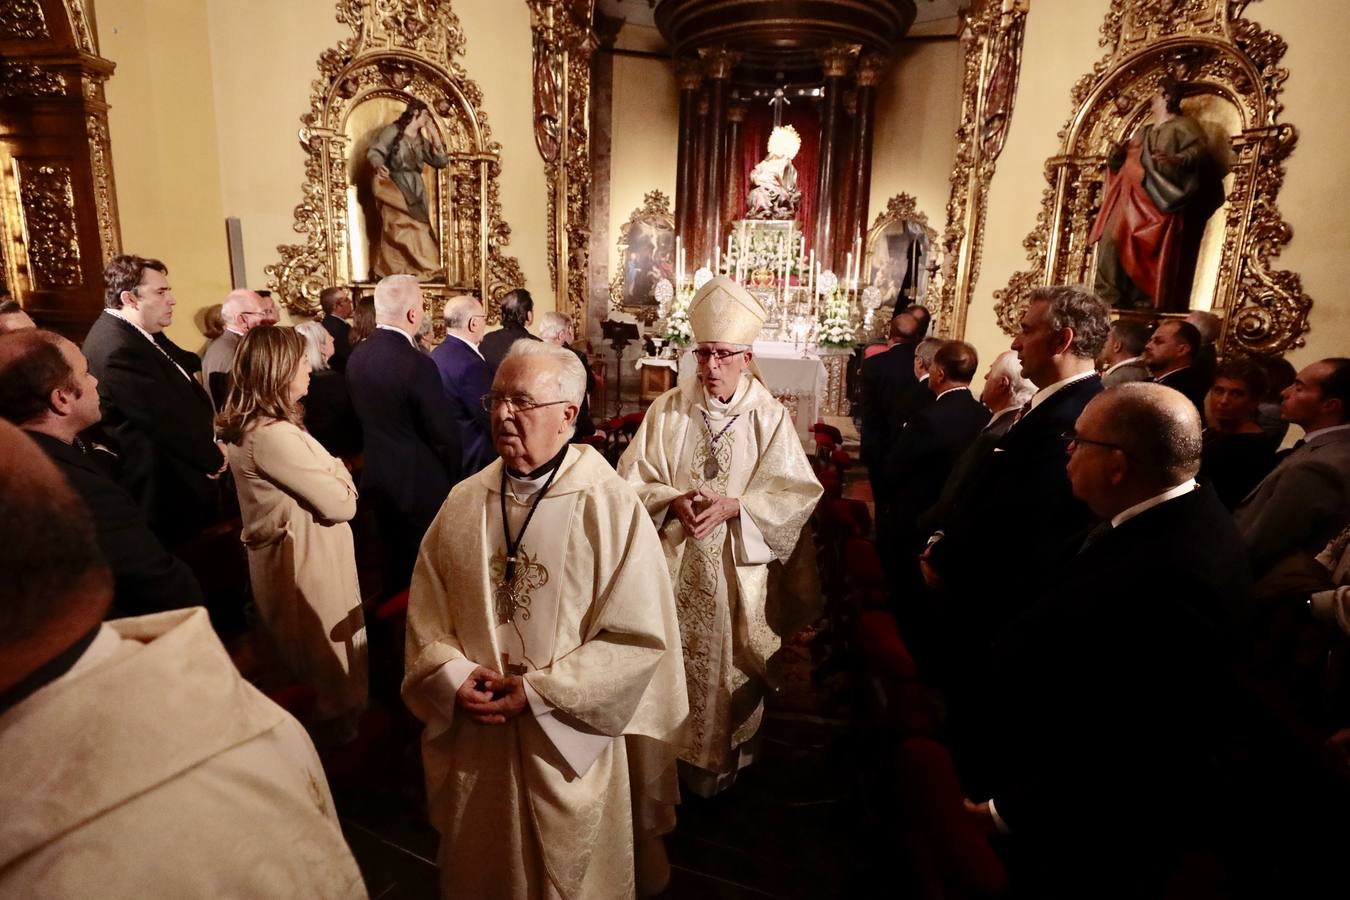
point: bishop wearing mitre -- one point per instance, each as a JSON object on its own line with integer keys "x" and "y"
{"x": 543, "y": 654}
{"x": 720, "y": 469}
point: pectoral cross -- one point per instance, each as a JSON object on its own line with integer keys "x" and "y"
{"x": 510, "y": 669}
{"x": 778, "y": 101}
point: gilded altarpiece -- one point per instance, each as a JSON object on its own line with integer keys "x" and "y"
{"x": 563, "y": 43}
{"x": 401, "y": 52}
{"x": 58, "y": 206}
{"x": 1231, "y": 69}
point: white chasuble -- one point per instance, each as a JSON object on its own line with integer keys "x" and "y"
{"x": 731, "y": 623}
{"x": 544, "y": 806}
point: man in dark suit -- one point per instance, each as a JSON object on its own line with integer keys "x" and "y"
{"x": 466, "y": 378}
{"x": 241, "y": 311}
{"x": 1112, "y": 692}
{"x": 1305, "y": 500}
{"x": 1004, "y": 394}
{"x": 412, "y": 450}
{"x": 923, "y": 453}
{"x": 882, "y": 380}
{"x": 46, "y": 389}
{"x": 153, "y": 408}
{"x": 1123, "y": 359}
{"x": 336, "y": 303}
{"x": 1169, "y": 355}
{"x": 988, "y": 577}
{"x": 517, "y": 309}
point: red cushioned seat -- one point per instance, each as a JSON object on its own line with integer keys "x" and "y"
{"x": 863, "y": 565}
{"x": 949, "y": 837}
{"x": 882, "y": 647}
{"x": 834, "y": 434}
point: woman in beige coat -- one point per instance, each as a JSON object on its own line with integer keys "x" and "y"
{"x": 296, "y": 500}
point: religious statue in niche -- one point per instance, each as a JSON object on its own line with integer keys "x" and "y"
{"x": 406, "y": 244}
{"x": 1162, "y": 187}
{"x": 775, "y": 195}
{"x": 548, "y": 91}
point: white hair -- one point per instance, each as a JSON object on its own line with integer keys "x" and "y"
{"x": 567, "y": 367}
{"x": 234, "y": 300}
{"x": 394, "y": 296}
{"x": 552, "y": 324}
{"x": 1007, "y": 365}
{"x": 927, "y": 349}
{"x": 313, "y": 333}
{"x": 459, "y": 310}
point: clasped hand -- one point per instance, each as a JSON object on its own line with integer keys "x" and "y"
{"x": 701, "y": 510}
{"x": 491, "y": 698}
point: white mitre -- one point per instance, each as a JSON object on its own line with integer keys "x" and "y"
{"x": 725, "y": 312}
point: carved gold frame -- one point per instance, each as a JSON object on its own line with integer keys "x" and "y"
{"x": 655, "y": 210}
{"x": 901, "y": 208}
{"x": 1207, "y": 44}
{"x": 400, "y": 49}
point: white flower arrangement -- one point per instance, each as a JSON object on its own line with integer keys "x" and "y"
{"x": 679, "y": 332}
{"x": 836, "y": 325}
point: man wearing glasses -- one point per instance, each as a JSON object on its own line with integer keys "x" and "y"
{"x": 720, "y": 469}
{"x": 242, "y": 312}
{"x": 466, "y": 377}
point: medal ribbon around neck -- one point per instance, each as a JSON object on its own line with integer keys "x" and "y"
{"x": 513, "y": 546}
{"x": 711, "y": 467}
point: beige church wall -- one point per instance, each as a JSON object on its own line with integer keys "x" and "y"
{"x": 917, "y": 114}
{"x": 645, "y": 142}
{"x": 1061, "y": 46}
{"x": 164, "y": 146}
{"x": 206, "y": 105}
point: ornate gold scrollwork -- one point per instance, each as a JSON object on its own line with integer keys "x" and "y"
{"x": 563, "y": 44}
{"x": 651, "y": 226}
{"x": 24, "y": 79}
{"x": 993, "y": 59}
{"x": 899, "y": 210}
{"x": 23, "y": 19}
{"x": 1233, "y": 65}
{"x": 400, "y": 50}
{"x": 47, "y": 192}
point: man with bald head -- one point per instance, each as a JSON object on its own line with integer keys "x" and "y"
{"x": 1111, "y": 692}
{"x": 466, "y": 377}
{"x": 137, "y": 761}
{"x": 412, "y": 447}
{"x": 543, "y": 653}
{"x": 46, "y": 389}
{"x": 241, "y": 311}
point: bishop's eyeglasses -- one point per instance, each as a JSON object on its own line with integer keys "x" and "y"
{"x": 514, "y": 402}
{"x": 707, "y": 354}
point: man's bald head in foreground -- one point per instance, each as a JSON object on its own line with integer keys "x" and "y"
{"x": 57, "y": 585}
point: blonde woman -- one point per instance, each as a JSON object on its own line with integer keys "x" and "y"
{"x": 296, "y": 500}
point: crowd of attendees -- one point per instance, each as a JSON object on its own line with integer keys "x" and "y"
{"x": 1097, "y": 563}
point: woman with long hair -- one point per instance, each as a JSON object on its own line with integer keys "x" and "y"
{"x": 296, "y": 501}
{"x": 329, "y": 416}
{"x": 363, "y": 320}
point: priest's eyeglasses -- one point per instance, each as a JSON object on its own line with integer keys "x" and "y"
{"x": 1072, "y": 438}
{"x": 513, "y": 402}
{"x": 706, "y": 355}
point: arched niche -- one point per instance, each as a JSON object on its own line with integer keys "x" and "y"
{"x": 397, "y": 55}
{"x": 1230, "y": 68}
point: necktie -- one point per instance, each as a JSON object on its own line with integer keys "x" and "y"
{"x": 1021, "y": 413}
{"x": 1099, "y": 531}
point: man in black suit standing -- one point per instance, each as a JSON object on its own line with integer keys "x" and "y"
{"x": 1112, "y": 692}
{"x": 989, "y": 578}
{"x": 882, "y": 380}
{"x": 153, "y": 408}
{"x": 412, "y": 449}
{"x": 1169, "y": 355}
{"x": 46, "y": 389}
{"x": 336, "y": 303}
{"x": 517, "y": 310}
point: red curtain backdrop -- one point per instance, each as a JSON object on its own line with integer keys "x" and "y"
{"x": 805, "y": 117}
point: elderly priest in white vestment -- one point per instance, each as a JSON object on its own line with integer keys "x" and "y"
{"x": 136, "y": 761}
{"x": 720, "y": 468}
{"x": 543, "y": 654}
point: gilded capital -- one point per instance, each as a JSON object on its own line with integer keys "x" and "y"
{"x": 689, "y": 74}
{"x": 870, "y": 69}
{"x": 718, "y": 62}
{"x": 837, "y": 59}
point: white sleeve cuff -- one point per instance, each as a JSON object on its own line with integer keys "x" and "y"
{"x": 751, "y": 548}
{"x": 580, "y": 748}
{"x": 440, "y": 687}
{"x": 1001, "y": 825}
